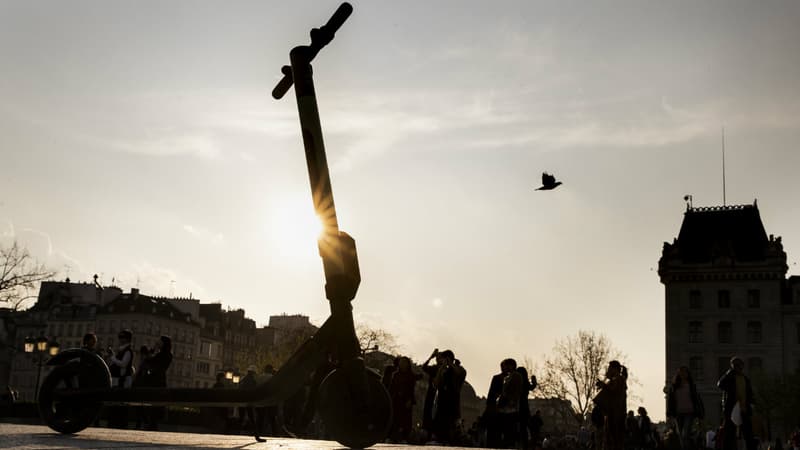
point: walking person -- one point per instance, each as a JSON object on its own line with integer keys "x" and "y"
{"x": 120, "y": 364}
{"x": 644, "y": 436}
{"x": 142, "y": 379}
{"x": 157, "y": 365}
{"x": 684, "y": 406}
{"x": 249, "y": 413}
{"x": 491, "y": 417}
{"x": 610, "y": 405}
{"x": 524, "y": 421}
{"x": 268, "y": 414}
{"x": 508, "y": 404}
{"x": 430, "y": 394}
{"x": 89, "y": 343}
{"x": 631, "y": 430}
{"x": 220, "y": 413}
{"x": 401, "y": 389}
{"x": 449, "y": 380}
{"x": 737, "y": 405}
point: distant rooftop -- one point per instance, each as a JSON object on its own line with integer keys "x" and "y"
{"x": 734, "y": 231}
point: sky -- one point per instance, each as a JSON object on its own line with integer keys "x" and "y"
{"x": 139, "y": 141}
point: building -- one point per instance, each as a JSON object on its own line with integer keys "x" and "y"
{"x": 236, "y": 332}
{"x": 285, "y": 328}
{"x": 202, "y": 335}
{"x": 149, "y": 318}
{"x": 726, "y": 293}
{"x": 206, "y": 338}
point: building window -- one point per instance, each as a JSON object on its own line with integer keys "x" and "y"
{"x": 695, "y": 332}
{"x": 754, "y": 298}
{"x": 754, "y": 332}
{"x": 724, "y": 299}
{"x": 725, "y": 333}
{"x": 723, "y": 364}
{"x": 696, "y": 368}
{"x": 695, "y": 300}
{"x": 755, "y": 364}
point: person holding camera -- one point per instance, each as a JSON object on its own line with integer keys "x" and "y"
{"x": 449, "y": 379}
{"x": 610, "y": 404}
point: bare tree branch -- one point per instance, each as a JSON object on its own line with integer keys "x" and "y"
{"x": 20, "y": 275}
{"x": 573, "y": 368}
{"x": 370, "y": 338}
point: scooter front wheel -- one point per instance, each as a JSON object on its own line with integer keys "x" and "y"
{"x": 74, "y": 415}
{"x": 352, "y": 426}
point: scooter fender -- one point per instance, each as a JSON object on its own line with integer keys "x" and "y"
{"x": 88, "y": 359}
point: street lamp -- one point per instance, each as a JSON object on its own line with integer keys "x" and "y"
{"x": 229, "y": 374}
{"x": 54, "y": 347}
{"x": 29, "y": 345}
{"x": 40, "y": 346}
{"x": 236, "y": 378}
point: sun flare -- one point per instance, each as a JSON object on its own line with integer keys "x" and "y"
{"x": 295, "y": 228}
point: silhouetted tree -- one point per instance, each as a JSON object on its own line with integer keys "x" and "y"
{"x": 375, "y": 338}
{"x": 573, "y": 368}
{"x": 20, "y": 274}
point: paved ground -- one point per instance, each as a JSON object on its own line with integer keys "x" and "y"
{"x": 40, "y": 437}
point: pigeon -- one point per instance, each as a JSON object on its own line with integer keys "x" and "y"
{"x": 548, "y": 182}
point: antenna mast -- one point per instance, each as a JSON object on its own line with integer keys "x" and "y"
{"x": 724, "y": 199}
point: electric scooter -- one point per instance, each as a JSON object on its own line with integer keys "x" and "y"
{"x": 353, "y": 404}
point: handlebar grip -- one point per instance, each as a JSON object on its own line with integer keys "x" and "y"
{"x": 320, "y": 37}
{"x": 283, "y": 86}
{"x": 339, "y": 16}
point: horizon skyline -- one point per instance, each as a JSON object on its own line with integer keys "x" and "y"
{"x": 141, "y": 140}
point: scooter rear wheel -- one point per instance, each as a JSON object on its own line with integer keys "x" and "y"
{"x": 74, "y": 415}
{"x": 349, "y": 425}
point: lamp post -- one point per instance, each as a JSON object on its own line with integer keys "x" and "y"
{"x": 40, "y": 346}
{"x": 236, "y": 378}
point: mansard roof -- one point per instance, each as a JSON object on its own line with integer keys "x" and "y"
{"x": 722, "y": 231}
{"x": 144, "y": 304}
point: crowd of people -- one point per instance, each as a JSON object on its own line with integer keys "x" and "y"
{"x": 506, "y": 421}
{"x": 151, "y": 371}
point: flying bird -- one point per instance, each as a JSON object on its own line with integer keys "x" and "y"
{"x": 548, "y": 182}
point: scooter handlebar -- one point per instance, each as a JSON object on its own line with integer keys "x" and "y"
{"x": 339, "y": 16}
{"x": 320, "y": 37}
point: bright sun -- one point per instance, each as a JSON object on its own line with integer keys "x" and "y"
{"x": 294, "y": 228}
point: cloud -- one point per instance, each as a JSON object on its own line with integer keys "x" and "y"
{"x": 154, "y": 280}
{"x": 45, "y": 236}
{"x": 40, "y": 246}
{"x": 204, "y": 234}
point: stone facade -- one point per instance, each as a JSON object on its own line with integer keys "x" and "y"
{"x": 726, "y": 293}
{"x": 205, "y": 338}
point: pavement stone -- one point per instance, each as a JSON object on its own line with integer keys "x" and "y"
{"x": 39, "y": 437}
